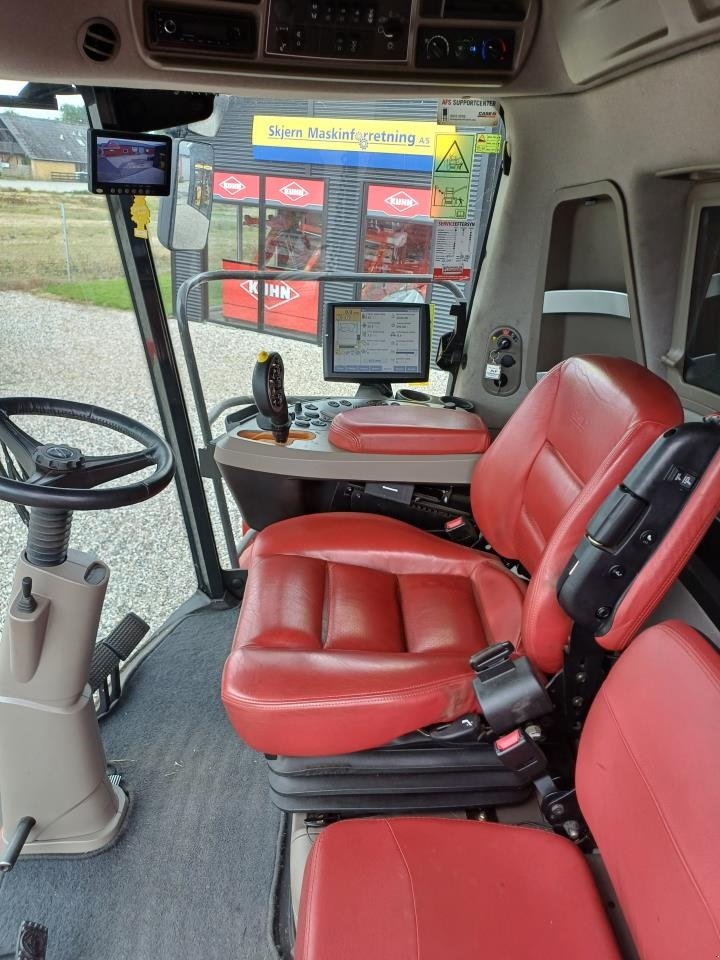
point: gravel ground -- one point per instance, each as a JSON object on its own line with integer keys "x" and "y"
{"x": 91, "y": 354}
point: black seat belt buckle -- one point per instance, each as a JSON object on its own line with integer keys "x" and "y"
{"x": 518, "y": 752}
{"x": 508, "y": 690}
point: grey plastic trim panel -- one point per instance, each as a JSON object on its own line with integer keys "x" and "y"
{"x": 327, "y": 463}
{"x": 610, "y": 303}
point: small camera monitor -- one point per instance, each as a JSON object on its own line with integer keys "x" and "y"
{"x": 129, "y": 163}
{"x": 364, "y": 342}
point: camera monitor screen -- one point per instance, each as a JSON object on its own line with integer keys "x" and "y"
{"x": 377, "y": 341}
{"x": 129, "y": 163}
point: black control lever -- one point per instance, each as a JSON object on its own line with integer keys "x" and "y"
{"x": 268, "y": 388}
{"x": 14, "y": 846}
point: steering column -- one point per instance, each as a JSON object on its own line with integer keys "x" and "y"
{"x": 55, "y": 792}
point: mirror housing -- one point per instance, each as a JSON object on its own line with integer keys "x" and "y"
{"x": 210, "y": 126}
{"x": 184, "y": 218}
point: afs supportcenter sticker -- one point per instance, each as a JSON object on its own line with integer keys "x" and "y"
{"x": 468, "y": 110}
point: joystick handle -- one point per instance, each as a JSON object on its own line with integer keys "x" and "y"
{"x": 268, "y": 388}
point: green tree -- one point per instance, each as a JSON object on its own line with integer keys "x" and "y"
{"x": 73, "y": 113}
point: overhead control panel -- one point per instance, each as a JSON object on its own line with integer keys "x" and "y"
{"x": 328, "y": 30}
{"x": 482, "y": 40}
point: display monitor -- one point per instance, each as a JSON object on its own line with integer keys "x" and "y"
{"x": 377, "y": 341}
{"x": 129, "y": 163}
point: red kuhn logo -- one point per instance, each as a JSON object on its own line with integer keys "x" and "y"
{"x": 293, "y": 191}
{"x": 401, "y": 201}
{"x": 276, "y": 294}
{"x": 232, "y": 185}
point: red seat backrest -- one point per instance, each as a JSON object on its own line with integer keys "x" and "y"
{"x": 648, "y": 782}
{"x": 573, "y": 439}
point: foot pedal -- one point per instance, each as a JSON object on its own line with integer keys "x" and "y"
{"x": 32, "y": 941}
{"x": 108, "y": 655}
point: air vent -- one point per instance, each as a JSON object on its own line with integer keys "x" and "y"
{"x": 99, "y": 41}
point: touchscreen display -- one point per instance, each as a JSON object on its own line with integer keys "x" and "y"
{"x": 129, "y": 163}
{"x": 370, "y": 341}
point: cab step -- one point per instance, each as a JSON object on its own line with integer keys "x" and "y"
{"x": 109, "y": 653}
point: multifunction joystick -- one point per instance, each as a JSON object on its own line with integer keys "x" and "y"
{"x": 268, "y": 388}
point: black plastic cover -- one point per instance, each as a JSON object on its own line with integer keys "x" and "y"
{"x": 626, "y": 530}
{"x": 509, "y": 691}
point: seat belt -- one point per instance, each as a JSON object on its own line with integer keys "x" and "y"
{"x": 517, "y": 751}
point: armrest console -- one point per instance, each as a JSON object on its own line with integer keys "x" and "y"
{"x": 409, "y": 429}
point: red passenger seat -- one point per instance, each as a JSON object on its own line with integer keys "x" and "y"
{"x": 649, "y": 788}
{"x": 356, "y": 628}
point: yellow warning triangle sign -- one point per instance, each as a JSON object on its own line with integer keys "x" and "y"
{"x": 453, "y": 161}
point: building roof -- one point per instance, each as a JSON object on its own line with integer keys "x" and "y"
{"x": 42, "y": 139}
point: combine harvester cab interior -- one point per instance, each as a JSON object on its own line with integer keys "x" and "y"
{"x": 359, "y": 480}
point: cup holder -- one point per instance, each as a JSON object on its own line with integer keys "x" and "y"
{"x": 460, "y": 403}
{"x": 413, "y": 396}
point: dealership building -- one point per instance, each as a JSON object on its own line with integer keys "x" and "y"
{"x": 339, "y": 186}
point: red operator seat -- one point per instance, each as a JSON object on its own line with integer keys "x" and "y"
{"x": 356, "y": 628}
{"x": 399, "y": 889}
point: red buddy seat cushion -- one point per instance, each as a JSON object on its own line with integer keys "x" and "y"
{"x": 649, "y": 790}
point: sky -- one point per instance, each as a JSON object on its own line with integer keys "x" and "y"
{"x": 12, "y": 87}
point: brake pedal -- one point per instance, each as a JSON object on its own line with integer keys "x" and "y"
{"x": 109, "y": 653}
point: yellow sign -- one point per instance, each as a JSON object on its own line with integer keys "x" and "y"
{"x": 452, "y": 169}
{"x": 488, "y": 143}
{"x": 392, "y": 144}
{"x": 140, "y": 216}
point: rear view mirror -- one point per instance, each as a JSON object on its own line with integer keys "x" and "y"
{"x": 184, "y": 219}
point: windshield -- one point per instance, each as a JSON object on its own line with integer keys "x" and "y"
{"x": 391, "y": 189}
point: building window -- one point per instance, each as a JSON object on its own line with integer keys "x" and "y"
{"x": 397, "y": 237}
{"x": 280, "y": 226}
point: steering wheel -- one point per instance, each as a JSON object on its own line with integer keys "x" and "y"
{"x": 61, "y": 477}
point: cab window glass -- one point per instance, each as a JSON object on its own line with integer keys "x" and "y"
{"x": 702, "y": 354}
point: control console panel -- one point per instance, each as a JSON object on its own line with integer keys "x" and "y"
{"x": 395, "y": 38}
{"x": 357, "y": 30}
{"x": 462, "y": 48}
{"x": 319, "y": 414}
{"x": 503, "y": 362}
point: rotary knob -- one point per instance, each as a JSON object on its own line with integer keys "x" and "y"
{"x": 438, "y": 47}
{"x": 494, "y": 50}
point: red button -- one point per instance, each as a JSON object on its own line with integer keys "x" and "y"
{"x": 455, "y": 523}
{"x": 511, "y": 739}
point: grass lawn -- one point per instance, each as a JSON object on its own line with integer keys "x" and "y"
{"x": 105, "y": 293}
{"x": 34, "y": 249}
{"x": 34, "y": 255}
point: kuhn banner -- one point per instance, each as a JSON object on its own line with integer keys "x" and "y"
{"x": 407, "y": 202}
{"x": 288, "y": 305}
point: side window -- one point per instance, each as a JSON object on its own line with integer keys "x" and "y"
{"x": 702, "y": 352}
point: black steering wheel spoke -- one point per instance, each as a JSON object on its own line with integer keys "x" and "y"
{"x": 97, "y": 470}
{"x": 20, "y": 444}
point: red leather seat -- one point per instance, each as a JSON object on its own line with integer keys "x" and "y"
{"x": 356, "y": 629}
{"x": 399, "y": 889}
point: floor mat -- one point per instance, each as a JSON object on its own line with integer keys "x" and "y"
{"x": 192, "y": 874}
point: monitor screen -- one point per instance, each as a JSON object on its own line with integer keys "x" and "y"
{"x": 129, "y": 163}
{"x": 377, "y": 341}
